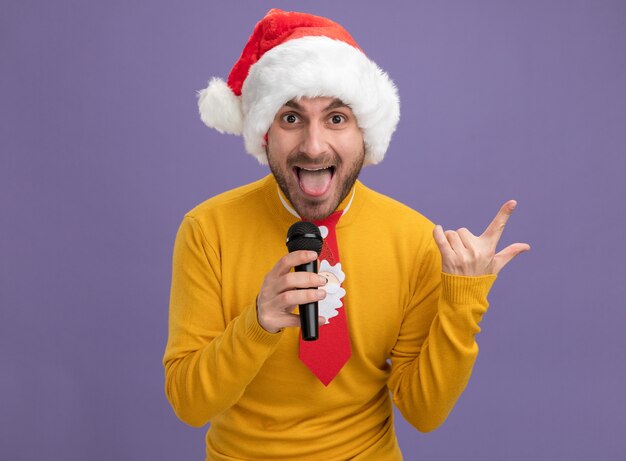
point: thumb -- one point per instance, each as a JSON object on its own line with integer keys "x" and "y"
{"x": 506, "y": 255}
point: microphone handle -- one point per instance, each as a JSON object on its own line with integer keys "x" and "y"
{"x": 308, "y": 312}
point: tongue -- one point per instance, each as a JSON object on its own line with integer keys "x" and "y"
{"x": 315, "y": 183}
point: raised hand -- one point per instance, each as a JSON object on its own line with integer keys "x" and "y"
{"x": 463, "y": 253}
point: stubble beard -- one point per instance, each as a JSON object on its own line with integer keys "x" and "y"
{"x": 310, "y": 209}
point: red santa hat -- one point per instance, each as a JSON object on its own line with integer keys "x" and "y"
{"x": 294, "y": 55}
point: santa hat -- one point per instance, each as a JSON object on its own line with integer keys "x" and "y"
{"x": 294, "y": 55}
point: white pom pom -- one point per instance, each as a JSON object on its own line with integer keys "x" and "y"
{"x": 220, "y": 108}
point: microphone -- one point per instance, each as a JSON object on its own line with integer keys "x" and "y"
{"x": 306, "y": 236}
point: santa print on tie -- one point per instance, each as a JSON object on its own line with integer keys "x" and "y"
{"x": 329, "y": 353}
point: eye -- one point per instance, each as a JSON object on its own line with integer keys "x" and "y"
{"x": 337, "y": 119}
{"x": 290, "y": 118}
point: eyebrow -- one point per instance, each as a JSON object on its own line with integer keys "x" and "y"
{"x": 335, "y": 103}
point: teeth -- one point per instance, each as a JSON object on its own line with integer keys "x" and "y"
{"x": 315, "y": 169}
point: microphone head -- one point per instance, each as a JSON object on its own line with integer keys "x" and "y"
{"x": 304, "y": 236}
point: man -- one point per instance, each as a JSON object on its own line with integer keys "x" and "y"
{"x": 402, "y": 299}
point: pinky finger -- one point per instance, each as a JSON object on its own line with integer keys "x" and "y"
{"x": 290, "y": 320}
{"x": 442, "y": 242}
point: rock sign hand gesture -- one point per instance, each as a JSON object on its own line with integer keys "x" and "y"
{"x": 463, "y": 253}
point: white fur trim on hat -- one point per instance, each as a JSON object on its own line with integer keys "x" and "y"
{"x": 220, "y": 108}
{"x": 319, "y": 66}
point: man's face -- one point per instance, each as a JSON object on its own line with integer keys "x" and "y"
{"x": 315, "y": 150}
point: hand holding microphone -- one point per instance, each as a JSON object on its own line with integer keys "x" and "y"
{"x": 283, "y": 289}
{"x": 306, "y": 236}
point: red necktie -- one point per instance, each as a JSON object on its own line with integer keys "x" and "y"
{"x": 328, "y": 354}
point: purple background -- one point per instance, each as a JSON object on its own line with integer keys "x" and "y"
{"x": 102, "y": 152}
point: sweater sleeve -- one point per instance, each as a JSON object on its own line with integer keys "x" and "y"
{"x": 208, "y": 361}
{"x": 436, "y": 349}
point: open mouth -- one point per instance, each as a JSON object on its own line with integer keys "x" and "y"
{"x": 315, "y": 181}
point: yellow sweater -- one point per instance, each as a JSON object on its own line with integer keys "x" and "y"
{"x": 411, "y": 328}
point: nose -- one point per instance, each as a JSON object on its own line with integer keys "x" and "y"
{"x": 314, "y": 142}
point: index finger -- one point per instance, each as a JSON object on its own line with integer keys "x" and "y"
{"x": 293, "y": 259}
{"x": 496, "y": 227}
